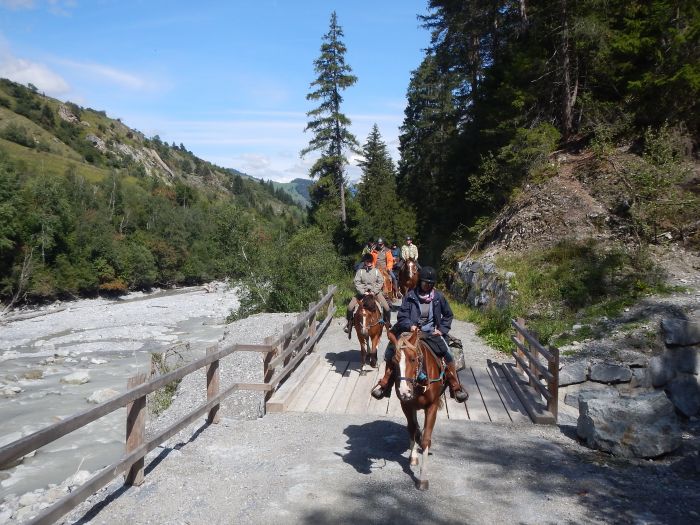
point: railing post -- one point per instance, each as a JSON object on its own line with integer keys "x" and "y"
{"x": 553, "y": 385}
{"x": 267, "y": 371}
{"x": 135, "y": 430}
{"x": 331, "y": 301}
{"x": 521, "y": 338}
{"x": 534, "y": 356}
{"x": 213, "y": 386}
{"x": 287, "y": 329}
{"x": 312, "y": 325}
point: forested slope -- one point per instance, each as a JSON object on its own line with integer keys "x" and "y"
{"x": 89, "y": 206}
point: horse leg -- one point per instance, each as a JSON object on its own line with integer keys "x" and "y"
{"x": 363, "y": 353}
{"x": 413, "y": 433}
{"x": 426, "y": 441}
{"x": 373, "y": 352}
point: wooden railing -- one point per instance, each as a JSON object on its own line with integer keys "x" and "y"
{"x": 528, "y": 353}
{"x": 281, "y": 357}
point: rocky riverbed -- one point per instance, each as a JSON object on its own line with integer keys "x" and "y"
{"x": 57, "y": 360}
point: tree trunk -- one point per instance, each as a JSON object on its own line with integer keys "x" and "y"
{"x": 567, "y": 99}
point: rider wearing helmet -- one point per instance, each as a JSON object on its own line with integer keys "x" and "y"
{"x": 384, "y": 260}
{"x": 425, "y": 309}
{"x": 368, "y": 280}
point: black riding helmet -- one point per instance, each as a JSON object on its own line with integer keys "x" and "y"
{"x": 427, "y": 274}
{"x": 367, "y": 257}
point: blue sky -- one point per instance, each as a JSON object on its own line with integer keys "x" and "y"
{"x": 228, "y": 79}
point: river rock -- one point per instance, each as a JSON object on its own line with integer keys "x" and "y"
{"x": 572, "y": 373}
{"x": 684, "y": 391}
{"x": 98, "y": 361}
{"x": 100, "y": 396}
{"x": 78, "y": 478}
{"x": 33, "y": 374}
{"x": 679, "y": 332}
{"x": 9, "y": 391}
{"x": 610, "y": 373}
{"x": 78, "y": 377}
{"x": 644, "y": 426}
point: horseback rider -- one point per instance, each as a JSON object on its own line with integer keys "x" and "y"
{"x": 425, "y": 309}
{"x": 384, "y": 260}
{"x": 368, "y": 247}
{"x": 368, "y": 280}
{"x": 409, "y": 250}
{"x": 395, "y": 252}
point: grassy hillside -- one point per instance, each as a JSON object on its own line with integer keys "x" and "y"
{"x": 88, "y": 205}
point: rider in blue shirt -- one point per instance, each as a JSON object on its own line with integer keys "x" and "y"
{"x": 425, "y": 309}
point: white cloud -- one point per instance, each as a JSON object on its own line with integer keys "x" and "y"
{"x": 116, "y": 76}
{"x": 25, "y": 71}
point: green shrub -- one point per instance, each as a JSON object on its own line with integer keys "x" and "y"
{"x": 18, "y": 134}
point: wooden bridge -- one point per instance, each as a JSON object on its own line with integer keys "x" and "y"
{"x": 298, "y": 377}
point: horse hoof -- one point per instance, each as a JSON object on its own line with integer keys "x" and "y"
{"x": 422, "y": 484}
{"x": 414, "y": 462}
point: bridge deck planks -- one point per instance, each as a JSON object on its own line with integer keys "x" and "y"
{"x": 494, "y": 405}
{"x": 337, "y": 387}
{"x": 323, "y": 395}
{"x": 360, "y": 398}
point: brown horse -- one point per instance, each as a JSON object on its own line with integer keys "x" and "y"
{"x": 408, "y": 275}
{"x": 388, "y": 287}
{"x": 368, "y": 325}
{"x": 420, "y": 382}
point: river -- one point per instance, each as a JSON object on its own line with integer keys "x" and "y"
{"x": 109, "y": 339}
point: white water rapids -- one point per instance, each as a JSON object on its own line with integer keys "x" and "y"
{"x": 112, "y": 341}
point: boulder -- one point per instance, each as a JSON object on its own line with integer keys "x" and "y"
{"x": 644, "y": 426}
{"x": 572, "y": 373}
{"x": 684, "y": 390}
{"x": 100, "y": 396}
{"x": 679, "y": 332}
{"x": 587, "y": 392}
{"x": 610, "y": 373}
{"x": 686, "y": 359}
{"x": 78, "y": 377}
{"x": 661, "y": 370}
{"x": 641, "y": 378}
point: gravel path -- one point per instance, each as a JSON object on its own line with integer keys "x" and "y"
{"x": 323, "y": 468}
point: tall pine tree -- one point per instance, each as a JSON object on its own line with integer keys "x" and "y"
{"x": 329, "y": 125}
{"x": 382, "y": 212}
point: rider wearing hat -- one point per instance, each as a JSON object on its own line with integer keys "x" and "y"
{"x": 368, "y": 280}
{"x": 384, "y": 260}
{"x": 409, "y": 250}
{"x": 425, "y": 309}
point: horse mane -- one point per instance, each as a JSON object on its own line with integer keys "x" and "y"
{"x": 369, "y": 303}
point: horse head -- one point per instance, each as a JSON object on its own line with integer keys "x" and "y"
{"x": 408, "y": 361}
{"x": 368, "y": 314}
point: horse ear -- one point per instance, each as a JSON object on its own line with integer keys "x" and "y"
{"x": 392, "y": 338}
{"x": 414, "y": 337}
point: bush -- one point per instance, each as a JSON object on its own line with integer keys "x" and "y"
{"x": 18, "y": 134}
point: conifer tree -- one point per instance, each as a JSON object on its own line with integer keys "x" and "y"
{"x": 382, "y": 211}
{"x": 329, "y": 125}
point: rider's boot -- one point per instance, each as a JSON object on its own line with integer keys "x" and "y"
{"x": 348, "y": 325}
{"x": 386, "y": 315}
{"x": 383, "y": 388}
{"x": 456, "y": 390}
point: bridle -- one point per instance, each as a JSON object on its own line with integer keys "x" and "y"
{"x": 421, "y": 379}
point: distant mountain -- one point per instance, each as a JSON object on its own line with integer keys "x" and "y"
{"x": 298, "y": 189}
